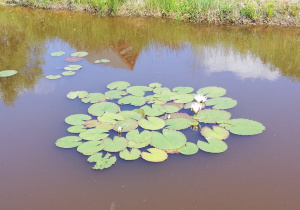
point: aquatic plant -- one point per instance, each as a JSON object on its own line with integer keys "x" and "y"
{"x": 7, "y": 73}
{"x": 154, "y": 130}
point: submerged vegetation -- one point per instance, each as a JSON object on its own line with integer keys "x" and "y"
{"x": 203, "y": 11}
{"x": 152, "y": 132}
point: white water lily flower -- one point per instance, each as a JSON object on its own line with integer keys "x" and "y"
{"x": 119, "y": 130}
{"x": 196, "y": 107}
{"x": 200, "y": 98}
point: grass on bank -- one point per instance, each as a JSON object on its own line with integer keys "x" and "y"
{"x": 204, "y": 11}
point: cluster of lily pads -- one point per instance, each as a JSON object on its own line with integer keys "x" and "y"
{"x": 72, "y": 68}
{"x": 152, "y": 125}
{"x": 8, "y": 73}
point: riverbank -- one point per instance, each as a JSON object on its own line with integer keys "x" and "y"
{"x": 233, "y": 12}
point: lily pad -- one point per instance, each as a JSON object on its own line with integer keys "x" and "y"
{"x": 243, "y": 126}
{"x": 82, "y": 94}
{"x": 213, "y": 146}
{"x": 8, "y": 73}
{"x": 212, "y": 92}
{"x": 73, "y": 59}
{"x": 183, "y": 89}
{"x": 72, "y": 67}
{"x": 115, "y": 94}
{"x": 111, "y": 118}
{"x": 91, "y": 123}
{"x": 105, "y": 125}
{"x": 138, "y": 90}
{"x": 178, "y": 123}
{"x": 154, "y": 85}
{"x": 90, "y": 147}
{"x": 94, "y": 134}
{"x": 221, "y": 103}
{"x": 76, "y": 129}
{"x": 182, "y": 98}
{"x": 79, "y": 54}
{"x": 98, "y": 109}
{"x": 68, "y": 73}
{"x": 212, "y": 116}
{"x": 217, "y": 132}
{"x": 95, "y": 97}
{"x": 138, "y": 145}
{"x": 102, "y": 61}
{"x": 58, "y": 53}
{"x": 53, "y": 76}
{"x": 68, "y": 142}
{"x": 159, "y": 90}
{"x": 168, "y": 140}
{"x": 134, "y": 135}
{"x": 119, "y": 85}
{"x": 131, "y": 114}
{"x": 152, "y": 123}
{"x": 188, "y": 149}
{"x": 133, "y": 100}
{"x": 72, "y": 95}
{"x": 115, "y": 145}
{"x": 102, "y": 162}
{"x": 153, "y": 111}
{"x": 130, "y": 155}
{"x": 178, "y": 115}
{"x": 77, "y": 119}
{"x": 154, "y": 155}
{"x": 126, "y": 125}
{"x": 169, "y": 108}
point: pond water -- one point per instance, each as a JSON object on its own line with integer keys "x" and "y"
{"x": 258, "y": 66}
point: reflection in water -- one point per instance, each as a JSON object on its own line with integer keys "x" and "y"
{"x": 255, "y": 52}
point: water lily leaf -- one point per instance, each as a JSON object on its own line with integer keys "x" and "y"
{"x": 68, "y": 73}
{"x": 85, "y": 100}
{"x": 77, "y": 119}
{"x": 68, "y": 142}
{"x": 7, "y": 73}
{"x": 126, "y": 125}
{"x": 130, "y": 155}
{"x": 168, "y": 140}
{"x": 58, "y": 53}
{"x": 53, "y": 76}
{"x": 166, "y": 108}
{"x": 131, "y": 114}
{"x": 179, "y": 106}
{"x": 188, "y": 149}
{"x": 82, "y": 94}
{"x": 72, "y": 95}
{"x": 91, "y": 123}
{"x": 133, "y": 100}
{"x": 76, "y": 129}
{"x": 183, "y": 89}
{"x": 79, "y": 54}
{"x": 177, "y": 115}
{"x": 154, "y": 85}
{"x": 138, "y": 145}
{"x": 73, "y": 67}
{"x": 221, "y": 103}
{"x": 134, "y": 135}
{"x": 111, "y": 117}
{"x": 152, "y": 123}
{"x": 102, "y": 162}
{"x": 140, "y": 111}
{"x": 73, "y": 59}
{"x": 213, "y": 146}
{"x": 96, "y": 97}
{"x": 154, "y": 155}
{"x": 153, "y": 111}
{"x": 94, "y": 134}
{"x": 115, "y": 145}
{"x": 243, "y": 126}
{"x": 119, "y": 85}
{"x": 106, "y": 125}
{"x": 90, "y": 147}
{"x": 160, "y": 90}
{"x": 102, "y": 61}
{"x": 182, "y": 98}
{"x": 115, "y": 94}
{"x": 212, "y": 92}
{"x": 150, "y": 99}
{"x": 212, "y": 116}
{"x": 99, "y": 109}
{"x": 138, "y": 90}
{"x": 217, "y": 132}
{"x": 178, "y": 123}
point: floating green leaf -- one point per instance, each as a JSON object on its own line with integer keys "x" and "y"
{"x": 115, "y": 145}
{"x": 53, "y": 76}
{"x": 212, "y": 116}
{"x": 183, "y": 89}
{"x": 90, "y": 147}
{"x": 76, "y": 129}
{"x": 111, "y": 117}
{"x": 77, "y": 119}
{"x": 138, "y": 90}
{"x": 102, "y": 61}
{"x": 79, "y": 54}
{"x": 126, "y": 125}
{"x": 115, "y": 94}
{"x": 166, "y": 108}
{"x": 168, "y": 140}
{"x": 58, "y": 53}
{"x": 99, "y": 109}
{"x": 68, "y": 73}
{"x": 8, "y": 73}
{"x": 105, "y": 126}
{"x": 134, "y": 144}
{"x": 73, "y": 59}
{"x": 217, "y": 132}
{"x": 221, "y": 103}
{"x": 95, "y": 97}
{"x": 182, "y": 98}
{"x": 68, "y": 142}
{"x": 73, "y": 67}
{"x": 243, "y": 126}
{"x": 93, "y": 134}
{"x": 153, "y": 111}
{"x": 188, "y": 149}
{"x": 134, "y": 135}
{"x": 130, "y": 155}
{"x": 102, "y": 162}
{"x": 131, "y": 114}
{"x": 154, "y": 84}
{"x": 178, "y": 123}
{"x": 159, "y": 90}
{"x": 152, "y": 123}
{"x": 213, "y": 146}
{"x": 212, "y": 92}
{"x": 82, "y": 94}
{"x": 133, "y": 100}
{"x": 154, "y": 155}
{"x": 72, "y": 95}
{"x": 119, "y": 85}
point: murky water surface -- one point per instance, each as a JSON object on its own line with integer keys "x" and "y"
{"x": 259, "y": 67}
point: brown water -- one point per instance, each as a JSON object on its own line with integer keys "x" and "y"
{"x": 259, "y": 67}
